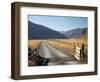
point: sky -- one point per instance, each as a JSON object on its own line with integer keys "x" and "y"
{"x": 59, "y": 23}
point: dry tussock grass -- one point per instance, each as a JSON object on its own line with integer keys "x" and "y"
{"x": 33, "y": 43}
{"x": 67, "y": 45}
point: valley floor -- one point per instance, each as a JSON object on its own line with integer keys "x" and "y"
{"x": 60, "y": 52}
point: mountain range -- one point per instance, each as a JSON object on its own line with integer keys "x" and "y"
{"x": 75, "y": 33}
{"x": 36, "y": 31}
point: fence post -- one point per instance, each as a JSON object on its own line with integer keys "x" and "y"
{"x": 82, "y": 54}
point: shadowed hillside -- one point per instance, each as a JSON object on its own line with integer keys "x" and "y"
{"x": 36, "y": 31}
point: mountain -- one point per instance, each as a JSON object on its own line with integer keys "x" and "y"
{"x": 75, "y": 33}
{"x": 36, "y": 31}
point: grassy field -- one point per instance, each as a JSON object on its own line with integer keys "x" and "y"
{"x": 33, "y": 43}
{"x": 67, "y": 45}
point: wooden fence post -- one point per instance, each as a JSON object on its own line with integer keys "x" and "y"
{"x": 82, "y": 54}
